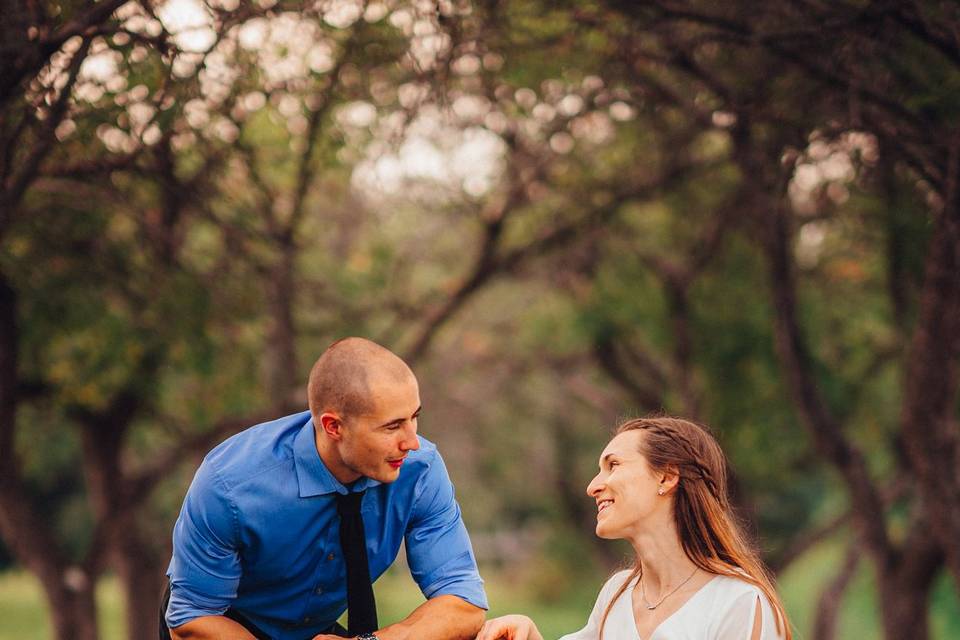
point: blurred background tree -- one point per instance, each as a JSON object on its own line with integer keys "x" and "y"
{"x": 560, "y": 213}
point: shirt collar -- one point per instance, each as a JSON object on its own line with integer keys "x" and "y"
{"x": 312, "y": 474}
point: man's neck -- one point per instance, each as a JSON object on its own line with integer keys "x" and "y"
{"x": 331, "y": 459}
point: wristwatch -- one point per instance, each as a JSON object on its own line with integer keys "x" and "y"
{"x": 367, "y": 636}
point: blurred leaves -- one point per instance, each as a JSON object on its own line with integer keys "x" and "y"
{"x": 558, "y": 211}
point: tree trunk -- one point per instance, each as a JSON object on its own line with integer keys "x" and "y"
{"x": 905, "y": 585}
{"x": 678, "y": 304}
{"x": 69, "y": 590}
{"x": 73, "y": 608}
{"x": 74, "y": 613}
{"x": 141, "y": 578}
{"x": 928, "y": 418}
{"x": 831, "y": 598}
{"x": 281, "y": 356}
{"x": 904, "y": 609}
{"x": 119, "y": 538}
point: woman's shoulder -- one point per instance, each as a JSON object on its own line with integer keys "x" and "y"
{"x": 736, "y": 593}
{"x": 614, "y": 582}
{"x": 617, "y": 579}
{"x": 735, "y": 602}
{"x": 735, "y": 584}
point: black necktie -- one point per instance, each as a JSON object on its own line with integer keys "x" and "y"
{"x": 361, "y": 607}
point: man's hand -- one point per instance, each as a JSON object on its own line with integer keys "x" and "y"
{"x": 514, "y": 627}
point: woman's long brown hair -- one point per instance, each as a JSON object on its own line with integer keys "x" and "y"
{"x": 708, "y": 529}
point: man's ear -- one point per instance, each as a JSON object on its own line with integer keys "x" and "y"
{"x": 331, "y": 425}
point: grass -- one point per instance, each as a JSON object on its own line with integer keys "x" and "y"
{"x": 800, "y": 587}
{"x": 23, "y": 609}
{"x": 23, "y": 613}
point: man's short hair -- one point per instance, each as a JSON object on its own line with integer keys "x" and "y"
{"x": 341, "y": 380}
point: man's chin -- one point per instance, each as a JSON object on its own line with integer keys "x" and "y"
{"x": 386, "y": 476}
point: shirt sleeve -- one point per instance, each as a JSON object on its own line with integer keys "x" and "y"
{"x": 738, "y": 620}
{"x": 438, "y": 547}
{"x": 205, "y": 569}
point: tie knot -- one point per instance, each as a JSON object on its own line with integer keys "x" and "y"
{"x": 349, "y": 503}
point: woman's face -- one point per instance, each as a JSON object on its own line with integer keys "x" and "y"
{"x": 625, "y": 488}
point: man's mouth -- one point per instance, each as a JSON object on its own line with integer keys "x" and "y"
{"x": 396, "y": 463}
{"x": 603, "y": 504}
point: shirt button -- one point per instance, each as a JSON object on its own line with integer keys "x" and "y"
{"x": 318, "y": 591}
{"x": 331, "y": 557}
{"x": 307, "y": 620}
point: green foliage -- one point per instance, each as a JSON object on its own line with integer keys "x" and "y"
{"x": 155, "y": 266}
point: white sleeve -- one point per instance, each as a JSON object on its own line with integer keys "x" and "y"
{"x": 592, "y": 629}
{"x": 738, "y": 620}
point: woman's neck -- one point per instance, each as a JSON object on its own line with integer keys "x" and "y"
{"x": 662, "y": 558}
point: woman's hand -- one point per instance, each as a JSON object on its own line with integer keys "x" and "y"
{"x": 512, "y": 627}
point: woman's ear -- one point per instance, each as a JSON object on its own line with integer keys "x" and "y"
{"x": 668, "y": 480}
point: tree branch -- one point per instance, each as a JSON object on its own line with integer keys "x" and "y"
{"x": 142, "y": 482}
{"x": 305, "y": 162}
{"x": 37, "y": 54}
{"x": 798, "y": 366}
{"x": 485, "y": 265}
{"x": 17, "y": 184}
{"x": 828, "y": 604}
{"x": 931, "y": 382}
{"x": 649, "y": 397}
{"x": 921, "y": 30}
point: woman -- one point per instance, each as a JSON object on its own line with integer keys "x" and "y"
{"x": 662, "y": 485}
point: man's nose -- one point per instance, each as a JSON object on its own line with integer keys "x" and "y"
{"x": 410, "y": 441}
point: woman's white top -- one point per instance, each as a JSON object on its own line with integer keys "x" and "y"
{"x": 723, "y": 609}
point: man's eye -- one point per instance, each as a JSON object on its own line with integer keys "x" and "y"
{"x": 614, "y": 463}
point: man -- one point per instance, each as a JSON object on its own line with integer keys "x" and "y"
{"x": 267, "y": 542}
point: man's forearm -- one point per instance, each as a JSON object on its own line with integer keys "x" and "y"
{"x": 211, "y": 628}
{"x": 441, "y": 618}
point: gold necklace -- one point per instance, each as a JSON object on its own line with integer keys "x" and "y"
{"x": 643, "y": 593}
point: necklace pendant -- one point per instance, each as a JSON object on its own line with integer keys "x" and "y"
{"x": 651, "y": 607}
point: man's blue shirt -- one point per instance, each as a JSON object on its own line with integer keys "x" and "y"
{"x": 259, "y": 532}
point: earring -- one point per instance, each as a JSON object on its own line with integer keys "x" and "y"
{"x": 660, "y": 491}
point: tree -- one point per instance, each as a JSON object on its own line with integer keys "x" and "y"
{"x": 745, "y": 215}
{"x": 162, "y": 116}
{"x": 850, "y": 84}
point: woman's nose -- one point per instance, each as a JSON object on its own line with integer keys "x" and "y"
{"x": 595, "y": 486}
